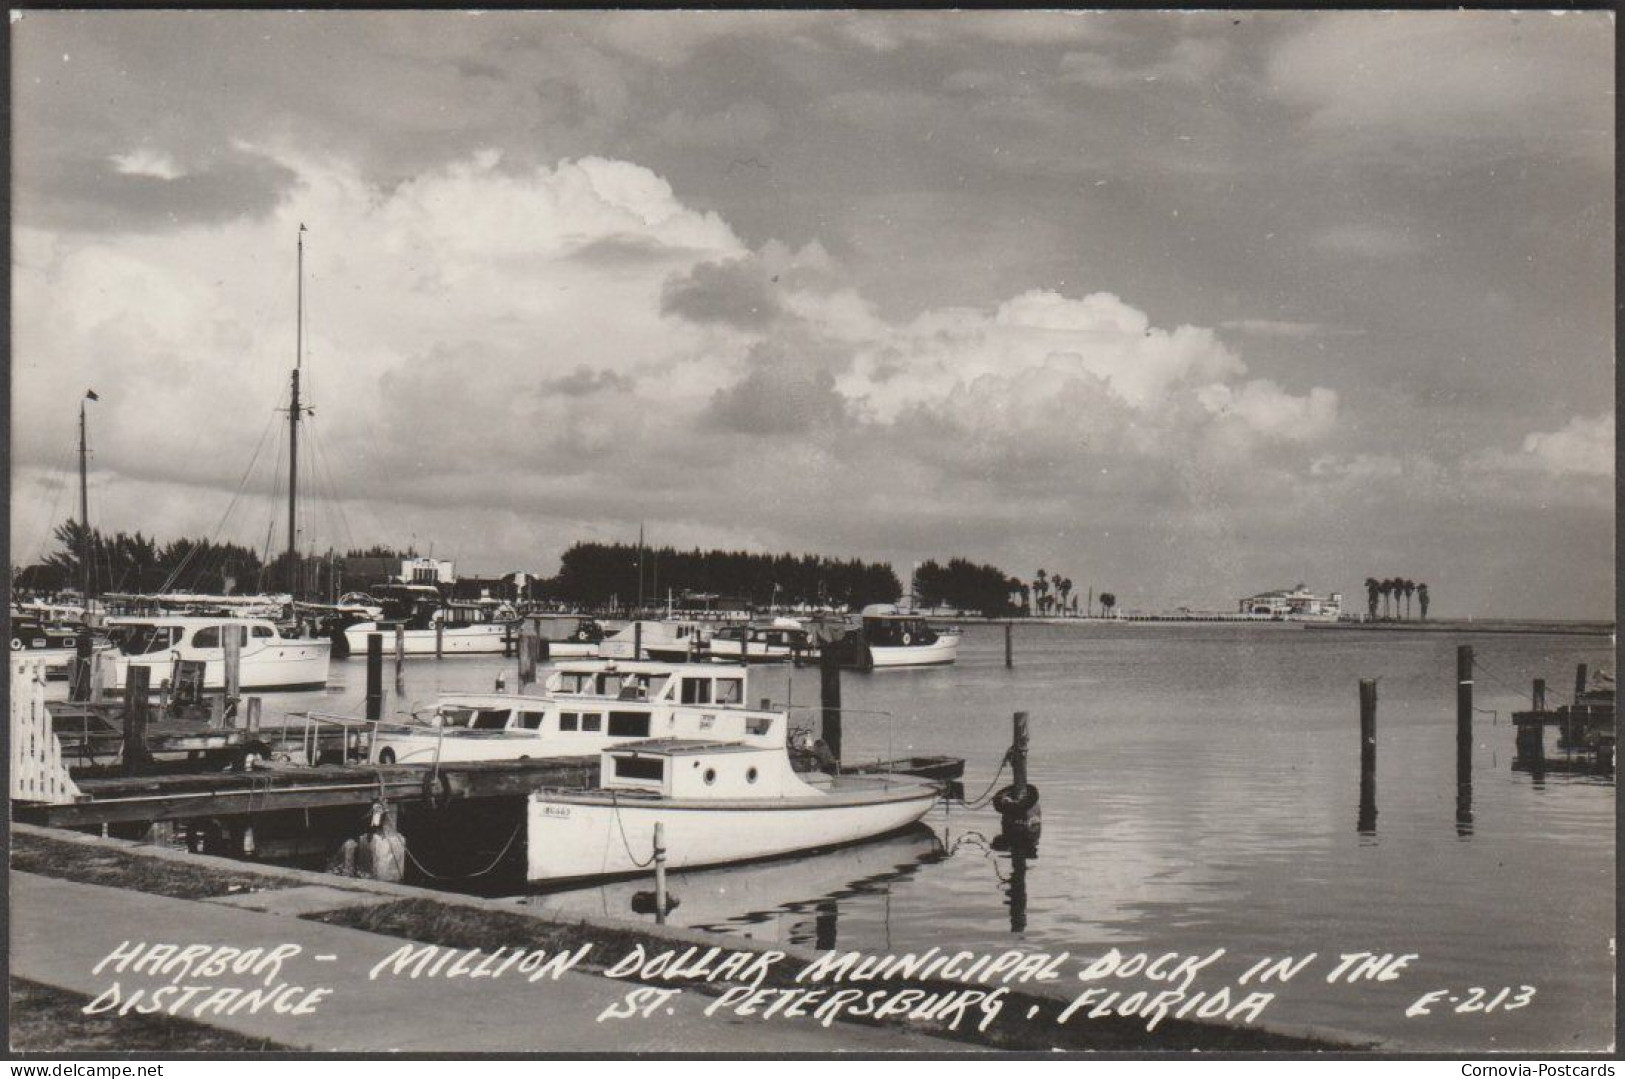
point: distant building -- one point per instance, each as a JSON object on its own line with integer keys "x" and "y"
{"x": 1296, "y": 602}
{"x": 427, "y": 571}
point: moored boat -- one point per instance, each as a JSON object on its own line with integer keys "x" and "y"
{"x": 717, "y": 803}
{"x": 896, "y": 638}
{"x": 773, "y": 641}
{"x": 266, "y": 659}
{"x": 582, "y": 708}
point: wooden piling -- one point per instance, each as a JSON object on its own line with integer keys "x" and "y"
{"x": 1464, "y": 739}
{"x": 1018, "y": 752}
{"x": 98, "y": 678}
{"x": 79, "y": 680}
{"x": 400, "y": 653}
{"x": 637, "y": 640}
{"x": 136, "y": 681}
{"x": 439, "y": 638}
{"x": 251, "y": 719}
{"x": 660, "y": 873}
{"x": 528, "y": 642}
{"x": 1009, "y": 645}
{"x": 829, "y": 689}
{"x": 375, "y": 675}
{"x": 232, "y": 646}
{"x": 1367, "y": 821}
{"x": 1537, "y": 696}
{"x": 1580, "y": 672}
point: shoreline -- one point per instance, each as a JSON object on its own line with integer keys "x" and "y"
{"x": 1502, "y": 626}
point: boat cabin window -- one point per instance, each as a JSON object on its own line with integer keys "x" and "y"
{"x": 569, "y": 721}
{"x": 209, "y": 636}
{"x": 609, "y": 685}
{"x": 592, "y": 722}
{"x": 730, "y": 691}
{"x": 629, "y": 724}
{"x": 264, "y": 631}
{"x": 640, "y": 768}
{"x": 574, "y": 682}
{"x": 531, "y": 721}
{"x": 490, "y": 719}
{"x": 696, "y": 691}
{"x": 758, "y": 725}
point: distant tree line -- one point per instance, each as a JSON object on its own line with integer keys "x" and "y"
{"x": 596, "y": 574}
{"x": 1394, "y": 594}
{"x": 966, "y": 586}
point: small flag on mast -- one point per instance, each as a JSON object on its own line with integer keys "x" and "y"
{"x": 90, "y": 395}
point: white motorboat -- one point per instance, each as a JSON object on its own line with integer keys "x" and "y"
{"x": 772, "y": 641}
{"x": 429, "y": 625}
{"x": 671, "y": 640}
{"x": 583, "y": 708}
{"x": 568, "y": 636}
{"x": 267, "y": 660}
{"x": 717, "y": 803}
{"x": 897, "y": 638}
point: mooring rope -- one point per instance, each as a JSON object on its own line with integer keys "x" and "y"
{"x": 615, "y": 808}
{"x": 986, "y": 796}
{"x": 503, "y": 853}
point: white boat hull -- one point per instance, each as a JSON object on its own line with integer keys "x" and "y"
{"x": 595, "y": 834}
{"x": 283, "y": 666}
{"x": 945, "y": 649}
{"x": 454, "y": 640}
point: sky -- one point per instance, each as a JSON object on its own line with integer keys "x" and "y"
{"x": 1180, "y": 306}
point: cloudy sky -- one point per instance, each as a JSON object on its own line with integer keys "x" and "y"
{"x": 1180, "y": 306}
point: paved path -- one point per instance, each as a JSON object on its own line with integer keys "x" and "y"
{"x": 60, "y": 930}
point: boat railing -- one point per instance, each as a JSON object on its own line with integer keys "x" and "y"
{"x": 350, "y": 731}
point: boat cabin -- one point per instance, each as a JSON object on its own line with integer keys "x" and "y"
{"x": 700, "y": 769}
{"x": 152, "y": 636}
{"x": 671, "y": 683}
{"x": 898, "y": 630}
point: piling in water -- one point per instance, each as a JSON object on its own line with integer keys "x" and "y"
{"x": 1464, "y": 739}
{"x": 400, "y": 654}
{"x": 136, "y": 681}
{"x": 233, "y": 642}
{"x": 1367, "y": 822}
{"x": 829, "y": 698}
{"x": 439, "y": 638}
{"x": 1009, "y": 645}
{"x": 660, "y": 873}
{"x": 375, "y": 675}
{"x": 637, "y": 641}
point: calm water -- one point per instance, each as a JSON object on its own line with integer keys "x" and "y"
{"x": 1200, "y": 789}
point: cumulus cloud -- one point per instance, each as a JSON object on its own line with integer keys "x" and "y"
{"x": 1583, "y": 447}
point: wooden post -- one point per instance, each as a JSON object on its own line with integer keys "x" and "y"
{"x": 400, "y": 653}
{"x": 1018, "y": 753}
{"x": 1009, "y": 645}
{"x": 1579, "y": 681}
{"x": 252, "y": 717}
{"x": 439, "y": 638}
{"x": 1537, "y": 697}
{"x": 829, "y": 688}
{"x": 1464, "y": 739}
{"x": 637, "y": 640}
{"x": 527, "y": 656}
{"x": 375, "y": 675}
{"x": 136, "y": 681}
{"x": 660, "y": 873}
{"x": 1367, "y": 822}
{"x": 98, "y": 677}
{"x": 232, "y": 644}
{"x": 79, "y": 684}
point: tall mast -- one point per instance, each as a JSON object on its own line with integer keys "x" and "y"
{"x": 640, "y": 571}
{"x": 293, "y": 430}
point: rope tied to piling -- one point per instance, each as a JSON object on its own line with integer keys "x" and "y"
{"x": 981, "y": 800}
{"x": 615, "y": 808}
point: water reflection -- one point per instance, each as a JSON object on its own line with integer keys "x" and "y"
{"x": 769, "y": 901}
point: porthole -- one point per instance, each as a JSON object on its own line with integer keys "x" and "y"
{"x": 750, "y": 775}
{"x": 710, "y": 776}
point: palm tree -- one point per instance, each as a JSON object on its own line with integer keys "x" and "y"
{"x": 1041, "y": 590}
{"x": 1422, "y": 598}
{"x": 1063, "y": 585}
{"x": 1387, "y": 587}
{"x": 1107, "y": 602}
{"x": 1410, "y": 590}
{"x": 1373, "y": 588}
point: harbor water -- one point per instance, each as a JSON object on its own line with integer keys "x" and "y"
{"x": 1200, "y": 790}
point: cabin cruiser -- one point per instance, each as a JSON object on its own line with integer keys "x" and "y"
{"x": 568, "y": 636}
{"x": 668, "y": 640}
{"x": 772, "y": 641}
{"x": 432, "y": 626}
{"x": 267, "y": 659}
{"x": 896, "y": 638}
{"x": 56, "y": 645}
{"x": 583, "y": 707}
{"x": 716, "y": 801}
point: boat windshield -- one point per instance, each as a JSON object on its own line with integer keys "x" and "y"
{"x": 145, "y": 640}
{"x": 465, "y": 718}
